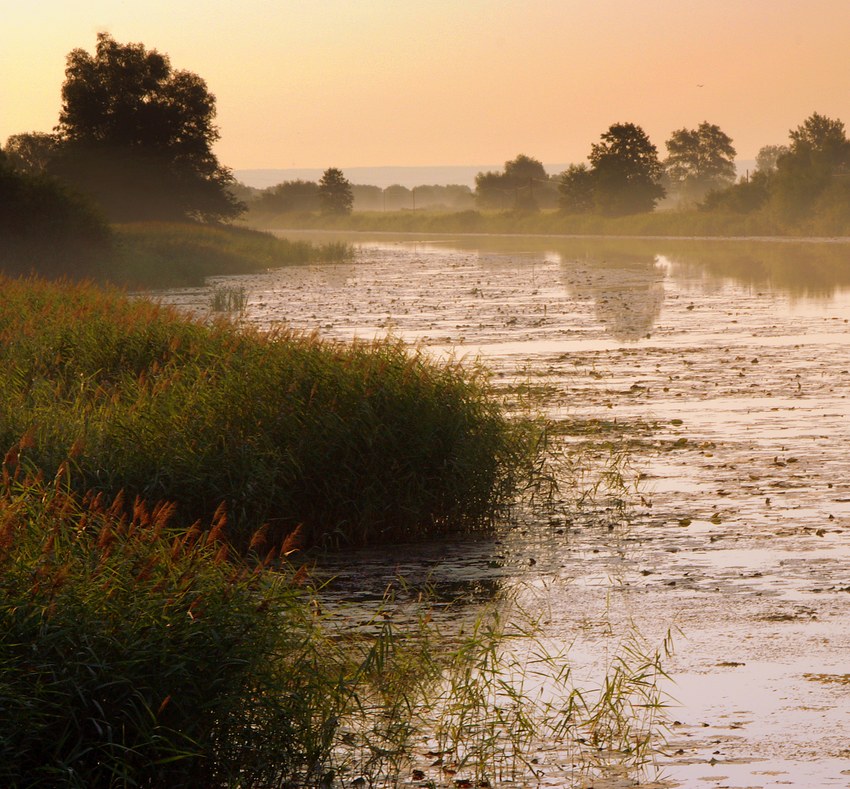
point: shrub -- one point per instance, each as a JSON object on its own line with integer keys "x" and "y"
{"x": 48, "y": 229}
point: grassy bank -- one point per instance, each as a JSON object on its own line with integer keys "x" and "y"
{"x": 155, "y": 254}
{"x": 353, "y": 442}
{"x": 659, "y": 223}
{"x": 170, "y": 254}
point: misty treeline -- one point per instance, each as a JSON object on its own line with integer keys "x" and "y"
{"x": 624, "y": 174}
{"x": 300, "y": 196}
{"x": 134, "y": 142}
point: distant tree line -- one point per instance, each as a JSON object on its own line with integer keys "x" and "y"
{"x": 301, "y": 196}
{"x": 625, "y": 175}
{"x": 134, "y": 142}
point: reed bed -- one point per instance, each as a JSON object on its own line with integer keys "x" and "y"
{"x": 136, "y": 653}
{"x": 354, "y": 443}
{"x": 684, "y": 223}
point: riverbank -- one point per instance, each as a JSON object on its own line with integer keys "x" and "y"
{"x": 147, "y": 255}
{"x": 160, "y": 477}
{"x": 679, "y": 223}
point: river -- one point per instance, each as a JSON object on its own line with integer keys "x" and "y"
{"x": 714, "y": 374}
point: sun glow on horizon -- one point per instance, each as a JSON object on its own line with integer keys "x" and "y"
{"x": 384, "y": 82}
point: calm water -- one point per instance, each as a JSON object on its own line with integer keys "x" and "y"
{"x": 723, "y": 367}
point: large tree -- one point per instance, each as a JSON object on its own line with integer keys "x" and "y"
{"x": 626, "y": 171}
{"x": 523, "y": 185}
{"x": 699, "y": 161}
{"x": 137, "y": 136}
{"x": 335, "y": 194}
{"x": 817, "y": 163}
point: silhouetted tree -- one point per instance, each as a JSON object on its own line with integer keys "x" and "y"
{"x": 700, "y": 160}
{"x": 492, "y": 190}
{"x": 748, "y": 195}
{"x": 335, "y": 195}
{"x": 626, "y": 171}
{"x": 289, "y": 196}
{"x": 768, "y": 156}
{"x": 138, "y": 136}
{"x": 31, "y": 153}
{"x": 396, "y": 198}
{"x": 818, "y": 158}
{"x": 367, "y": 197}
{"x": 576, "y": 186}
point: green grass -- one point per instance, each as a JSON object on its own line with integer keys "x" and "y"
{"x": 171, "y": 644}
{"x": 145, "y": 254}
{"x": 356, "y": 443}
{"x": 135, "y": 651}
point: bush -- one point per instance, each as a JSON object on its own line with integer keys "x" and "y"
{"x": 47, "y": 229}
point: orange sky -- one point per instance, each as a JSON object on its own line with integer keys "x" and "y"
{"x": 319, "y": 83}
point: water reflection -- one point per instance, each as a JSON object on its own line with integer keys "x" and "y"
{"x": 802, "y": 268}
{"x": 628, "y": 292}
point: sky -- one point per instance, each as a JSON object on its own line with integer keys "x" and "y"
{"x": 367, "y": 83}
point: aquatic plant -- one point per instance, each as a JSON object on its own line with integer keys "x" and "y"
{"x": 354, "y": 442}
{"x": 488, "y": 700}
{"x": 134, "y": 653}
{"x": 228, "y": 298}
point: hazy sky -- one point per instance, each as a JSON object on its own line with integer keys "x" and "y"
{"x": 320, "y": 83}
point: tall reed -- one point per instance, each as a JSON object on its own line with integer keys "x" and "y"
{"x": 355, "y": 443}
{"x": 133, "y": 653}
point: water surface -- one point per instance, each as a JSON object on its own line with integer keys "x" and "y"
{"x": 723, "y": 367}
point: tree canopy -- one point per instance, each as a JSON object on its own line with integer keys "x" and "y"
{"x": 626, "y": 171}
{"x": 288, "y": 196}
{"x": 137, "y": 136}
{"x": 576, "y": 186}
{"x": 817, "y": 162}
{"x": 523, "y": 185}
{"x": 335, "y": 194}
{"x": 768, "y": 156}
{"x": 31, "y": 153}
{"x": 699, "y": 161}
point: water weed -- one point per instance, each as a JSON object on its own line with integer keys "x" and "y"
{"x": 228, "y": 298}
